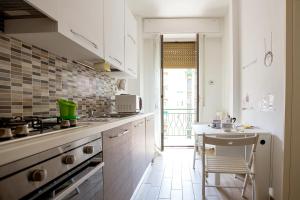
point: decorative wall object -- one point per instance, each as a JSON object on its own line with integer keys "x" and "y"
{"x": 247, "y": 102}
{"x": 249, "y": 64}
{"x": 268, "y": 59}
{"x": 121, "y": 84}
{"x": 32, "y": 79}
{"x": 266, "y": 104}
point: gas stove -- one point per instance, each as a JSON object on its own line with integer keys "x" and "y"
{"x": 19, "y": 127}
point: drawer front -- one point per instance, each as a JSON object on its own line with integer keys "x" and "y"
{"x": 138, "y": 150}
{"x": 117, "y": 159}
{"x": 150, "y": 140}
{"x": 116, "y": 136}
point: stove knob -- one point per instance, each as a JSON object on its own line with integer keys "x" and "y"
{"x": 38, "y": 175}
{"x": 88, "y": 149}
{"x": 69, "y": 159}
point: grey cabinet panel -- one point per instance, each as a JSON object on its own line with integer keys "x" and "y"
{"x": 138, "y": 150}
{"x": 150, "y": 140}
{"x": 117, "y": 158}
{"x": 127, "y": 151}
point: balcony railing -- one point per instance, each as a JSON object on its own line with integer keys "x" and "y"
{"x": 178, "y": 122}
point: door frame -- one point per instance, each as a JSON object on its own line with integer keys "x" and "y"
{"x": 162, "y": 142}
{"x": 162, "y": 86}
{"x": 198, "y": 78}
{"x": 292, "y": 109}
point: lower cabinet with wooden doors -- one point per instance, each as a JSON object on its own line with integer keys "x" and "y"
{"x": 138, "y": 154}
{"x": 150, "y": 140}
{"x": 117, "y": 172}
{"x": 127, "y": 152}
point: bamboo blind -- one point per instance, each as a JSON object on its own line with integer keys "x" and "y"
{"x": 179, "y": 55}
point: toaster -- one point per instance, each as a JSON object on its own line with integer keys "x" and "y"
{"x": 126, "y": 103}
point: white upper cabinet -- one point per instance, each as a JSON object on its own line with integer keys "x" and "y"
{"x": 49, "y": 8}
{"x": 73, "y": 29}
{"x": 82, "y": 22}
{"x": 114, "y": 29}
{"x": 131, "y": 58}
{"x": 83, "y": 30}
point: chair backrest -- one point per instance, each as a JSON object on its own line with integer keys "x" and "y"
{"x": 231, "y": 140}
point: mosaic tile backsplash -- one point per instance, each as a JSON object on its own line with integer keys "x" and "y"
{"x": 32, "y": 79}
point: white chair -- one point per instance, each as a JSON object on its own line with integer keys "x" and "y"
{"x": 229, "y": 165}
{"x": 197, "y": 146}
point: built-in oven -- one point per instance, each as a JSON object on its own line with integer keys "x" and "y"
{"x": 71, "y": 171}
{"x": 84, "y": 182}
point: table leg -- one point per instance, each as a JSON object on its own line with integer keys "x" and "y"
{"x": 217, "y": 179}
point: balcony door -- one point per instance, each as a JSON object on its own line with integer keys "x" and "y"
{"x": 180, "y": 90}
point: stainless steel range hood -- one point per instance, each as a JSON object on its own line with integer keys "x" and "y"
{"x": 27, "y": 22}
{"x": 18, "y": 9}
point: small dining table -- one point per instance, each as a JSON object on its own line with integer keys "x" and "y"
{"x": 204, "y": 128}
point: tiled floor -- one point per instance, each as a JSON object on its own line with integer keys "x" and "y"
{"x": 172, "y": 177}
{"x": 178, "y": 141}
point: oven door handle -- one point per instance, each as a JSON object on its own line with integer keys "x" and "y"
{"x": 75, "y": 185}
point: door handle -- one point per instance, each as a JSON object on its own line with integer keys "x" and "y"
{"x": 75, "y": 185}
{"x": 120, "y": 134}
{"x": 84, "y": 38}
{"x": 129, "y": 69}
{"x": 139, "y": 124}
{"x": 132, "y": 39}
{"x": 115, "y": 59}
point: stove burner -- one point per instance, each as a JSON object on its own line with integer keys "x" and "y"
{"x": 5, "y": 134}
{"x": 42, "y": 123}
{"x": 20, "y": 126}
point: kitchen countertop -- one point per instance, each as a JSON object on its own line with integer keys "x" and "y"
{"x": 17, "y": 149}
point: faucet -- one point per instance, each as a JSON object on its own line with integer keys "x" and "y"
{"x": 91, "y": 113}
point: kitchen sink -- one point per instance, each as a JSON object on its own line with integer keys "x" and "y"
{"x": 105, "y": 117}
{"x": 116, "y": 115}
{"x": 96, "y": 119}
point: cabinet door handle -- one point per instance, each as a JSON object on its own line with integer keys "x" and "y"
{"x": 83, "y": 37}
{"x": 150, "y": 119}
{"x": 129, "y": 69}
{"x": 115, "y": 59}
{"x": 139, "y": 124}
{"x": 132, "y": 39}
{"x": 120, "y": 134}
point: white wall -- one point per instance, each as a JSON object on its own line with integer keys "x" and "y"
{"x": 149, "y": 79}
{"x": 211, "y": 55}
{"x": 258, "y": 18}
{"x": 155, "y": 86}
{"x": 135, "y": 86}
{"x": 227, "y": 63}
{"x": 213, "y": 100}
{"x": 182, "y": 25}
{"x": 152, "y": 82}
{"x": 231, "y": 63}
{"x": 147, "y": 84}
{"x": 213, "y": 79}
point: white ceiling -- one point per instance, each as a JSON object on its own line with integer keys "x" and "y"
{"x": 179, "y": 8}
